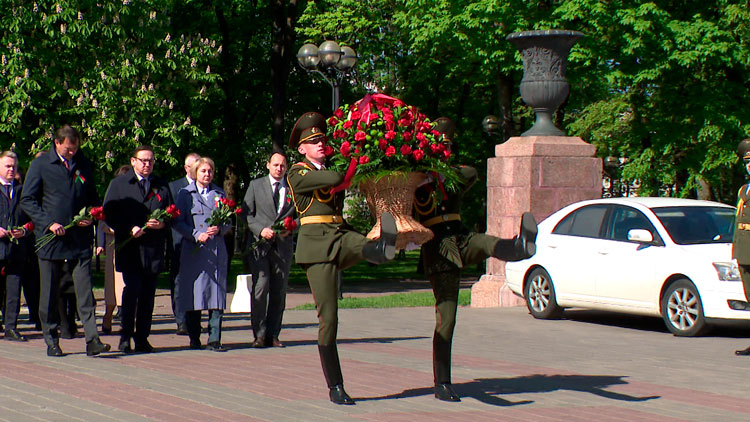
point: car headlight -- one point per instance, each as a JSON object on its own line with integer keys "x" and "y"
{"x": 727, "y": 271}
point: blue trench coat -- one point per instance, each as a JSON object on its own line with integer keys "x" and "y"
{"x": 202, "y": 277}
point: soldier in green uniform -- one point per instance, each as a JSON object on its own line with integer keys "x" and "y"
{"x": 741, "y": 240}
{"x": 326, "y": 244}
{"x": 453, "y": 248}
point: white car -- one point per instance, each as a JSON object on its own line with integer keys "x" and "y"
{"x": 664, "y": 257}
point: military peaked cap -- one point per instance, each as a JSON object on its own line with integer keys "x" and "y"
{"x": 743, "y": 149}
{"x": 309, "y": 127}
{"x": 446, "y": 127}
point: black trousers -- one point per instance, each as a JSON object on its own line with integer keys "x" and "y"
{"x": 137, "y": 304}
{"x": 50, "y": 273}
{"x": 12, "y": 294}
{"x": 174, "y": 268}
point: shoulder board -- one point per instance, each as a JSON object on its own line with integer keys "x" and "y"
{"x": 303, "y": 164}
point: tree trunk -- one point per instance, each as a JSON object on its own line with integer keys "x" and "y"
{"x": 284, "y": 18}
{"x": 505, "y": 99}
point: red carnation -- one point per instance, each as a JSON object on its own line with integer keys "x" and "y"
{"x": 447, "y": 154}
{"x": 418, "y": 154}
{"x": 97, "y": 213}
{"x": 420, "y": 137}
{"x": 382, "y": 143}
{"x": 348, "y": 124}
{"x": 356, "y": 115}
{"x": 333, "y": 121}
{"x": 390, "y": 151}
{"x": 339, "y": 113}
{"x": 364, "y": 159}
{"x": 435, "y": 148}
{"x": 29, "y": 226}
{"x": 238, "y": 210}
{"x": 405, "y": 149}
{"x": 390, "y": 135}
{"x": 360, "y": 136}
{"x": 173, "y": 211}
{"x": 289, "y": 223}
{"x": 407, "y": 136}
{"x": 328, "y": 151}
{"x": 404, "y": 122}
{"x": 436, "y": 133}
{"x": 345, "y": 148}
{"x": 398, "y": 103}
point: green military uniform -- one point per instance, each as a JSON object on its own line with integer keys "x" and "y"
{"x": 741, "y": 239}
{"x": 326, "y": 244}
{"x": 453, "y": 248}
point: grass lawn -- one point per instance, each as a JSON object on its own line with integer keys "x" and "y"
{"x": 404, "y": 267}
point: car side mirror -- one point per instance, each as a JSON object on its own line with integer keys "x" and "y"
{"x": 640, "y": 236}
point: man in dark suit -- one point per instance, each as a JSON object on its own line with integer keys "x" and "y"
{"x": 12, "y": 243}
{"x": 59, "y": 184}
{"x": 130, "y": 200}
{"x": 326, "y": 244}
{"x": 174, "y": 189}
{"x": 266, "y": 203}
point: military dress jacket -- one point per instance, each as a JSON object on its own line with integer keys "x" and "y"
{"x": 311, "y": 194}
{"x": 741, "y": 239}
{"x": 443, "y": 252}
{"x": 54, "y": 194}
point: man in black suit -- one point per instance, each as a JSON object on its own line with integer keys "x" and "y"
{"x": 12, "y": 243}
{"x": 174, "y": 189}
{"x": 59, "y": 184}
{"x": 267, "y": 202}
{"x": 128, "y": 205}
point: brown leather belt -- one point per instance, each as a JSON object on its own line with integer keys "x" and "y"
{"x": 321, "y": 219}
{"x": 743, "y": 226}
{"x": 441, "y": 219}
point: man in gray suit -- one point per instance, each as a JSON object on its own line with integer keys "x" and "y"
{"x": 174, "y": 188}
{"x": 267, "y": 202}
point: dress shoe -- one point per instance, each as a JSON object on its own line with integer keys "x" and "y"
{"x": 744, "y": 352}
{"x": 526, "y": 239}
{"x": 14, "y": 335}
{"x": 124, "y": 346}
{"x": 143, "y": 347}
{"x": 54, "y": 351}
{"x": 259, "y": 343}
{"x": 383, "y": 249}
{"x": 106, "y": 330}
{"x": 181, "y": 330}
{"x": 215, "y": 346}
{"x": 339, "y": 396}
{"x": 95, "y": 347}
{"x": 196, "y": 345}
{"x": 445, "y": 392}
{"x": 274, "y": 342}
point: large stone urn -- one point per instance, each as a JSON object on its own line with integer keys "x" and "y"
{"x": 544, "y": 86}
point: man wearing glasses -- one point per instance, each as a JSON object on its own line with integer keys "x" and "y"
{"x": 59, "y": 184}
{"x": 141, "y": 240}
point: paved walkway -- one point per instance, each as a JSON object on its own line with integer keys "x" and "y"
{"x": 507, "y": 366}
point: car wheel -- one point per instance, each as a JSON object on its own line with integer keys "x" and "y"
{"x": 540, "y": 295}
{"x": 682, "y": 310}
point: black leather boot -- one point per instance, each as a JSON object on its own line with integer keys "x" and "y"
{"x": 441, "y": 369}
{"x": 383, "y": 249}
{"x": 329, "y": 359}
{"x": 522, "y": 246}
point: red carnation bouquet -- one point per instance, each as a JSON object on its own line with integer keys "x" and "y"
{"x": 162, "y": 215}
{"x": 287, "y": 225}
{"x": 90, "y": 213}
{"x": 223, "y": 212}
{"x": 27, "y": 228}
{"x": 378, "y": 135}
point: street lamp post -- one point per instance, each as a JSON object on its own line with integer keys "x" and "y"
{"x": 331, "y": 62}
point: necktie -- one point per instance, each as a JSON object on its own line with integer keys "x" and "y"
{"x": 7, "y": 191}
{"x": 142, "y": 184}
{"x": 276, "y": 187}
{"x": 67, "y": 165}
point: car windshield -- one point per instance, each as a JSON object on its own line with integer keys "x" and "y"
{"x": 695, "y": 225}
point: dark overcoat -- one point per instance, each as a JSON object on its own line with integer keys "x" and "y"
{"x": 741, "y": 240}
{"x": 54, "y": 194}
{"x": 125, "y": 207}
{"x": 11, "y": 215}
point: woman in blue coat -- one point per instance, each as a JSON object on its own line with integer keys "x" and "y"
{"x": 202, "y": 277}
